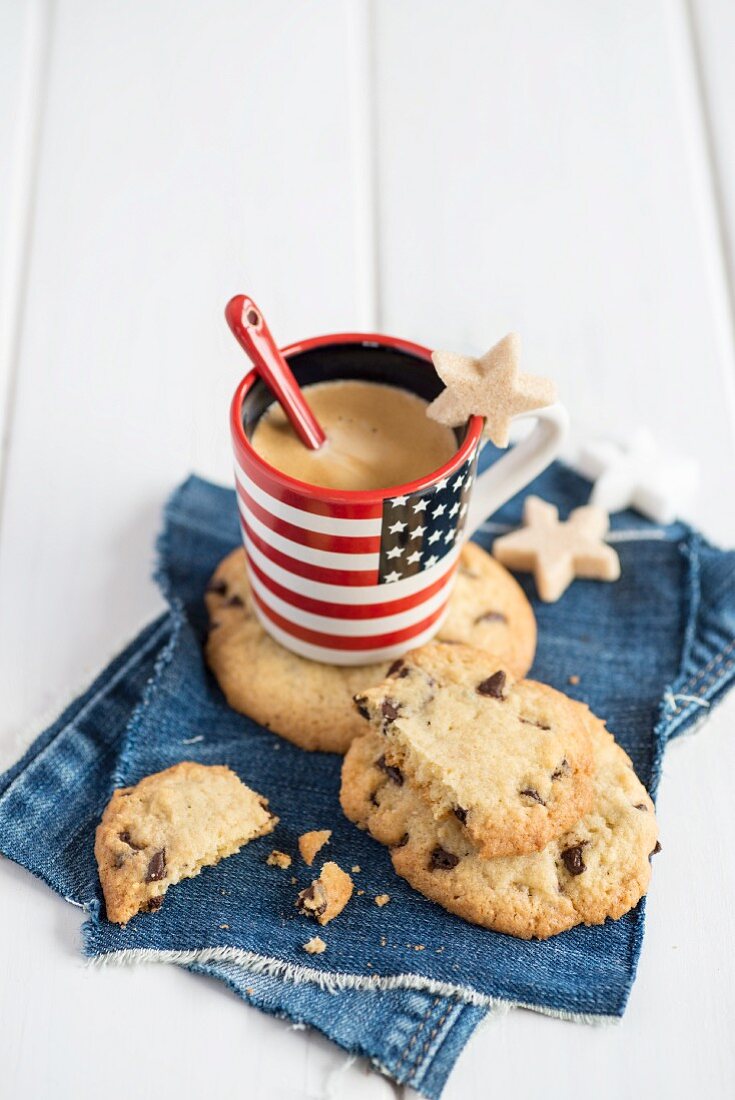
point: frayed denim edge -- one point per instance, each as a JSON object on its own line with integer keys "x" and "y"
{"x": 330, "y": 982}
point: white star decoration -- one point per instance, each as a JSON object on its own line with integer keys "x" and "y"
{"x": 454, "y": 509}
{"x": 442, "y": 484}
{"x": 394, "y": 553}
{"x": 431, "y": 561}
{"x": 398, "y": 502}
{"x": 439, "y": 511}
{"x": 492, "y": 387}
{"x": 638, "y": 476}
{"x": 449, "y": 537}
{"x": 397, "y": 527}
{"x": 434, "y": 536}
{"x": 413, "y": 558}
{"x": 391, "y": 577}
{"x": 417, "y": 532}
{"x": 421, "y": 506}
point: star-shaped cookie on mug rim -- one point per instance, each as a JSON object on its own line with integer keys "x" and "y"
{"x": 491, "y": 386}
{"x": 557, "y": 552}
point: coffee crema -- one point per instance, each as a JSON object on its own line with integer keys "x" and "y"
{"x": 378, "y": 436}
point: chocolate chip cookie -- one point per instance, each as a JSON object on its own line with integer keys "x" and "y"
{"x": 599, "y": 868}
{"x": 510, "y": 760}
{"x": 167, "y": 828}
{"x": 310, "y": 703}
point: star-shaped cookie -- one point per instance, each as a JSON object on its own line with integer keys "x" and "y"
{"x": 557, "y": 552}
{"x": 491, "y": 386}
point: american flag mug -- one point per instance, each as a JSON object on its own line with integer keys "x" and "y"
{"x": 359, "y": 577}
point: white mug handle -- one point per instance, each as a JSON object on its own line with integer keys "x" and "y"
{"x": 516, "y": 468}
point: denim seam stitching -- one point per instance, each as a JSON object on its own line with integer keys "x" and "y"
{"x": 421, "y": 1055}
{"x": 709, "y": 667}
{"x": 414, "y": 1037}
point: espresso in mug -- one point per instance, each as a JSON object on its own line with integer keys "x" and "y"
{"x": 377, "y": 436}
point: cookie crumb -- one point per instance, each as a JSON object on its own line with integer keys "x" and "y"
{"x": 574, "y": 680}
{"x": 360, "y": 893}
{"x": 279, "y": 859}
{"x": 315, "y": 946}
{"x": 293, "y": 880}
{"x": 249, "y": 990}
{"x": 382, "y": 899}
{"x": 311, "y": 843}
{"x": 383, "y": 941}
{"x": 356, "y": 869}
{"x": 225, "y": 927}
{"x": 327, "y": 896}
{"x": 419, "y": 947}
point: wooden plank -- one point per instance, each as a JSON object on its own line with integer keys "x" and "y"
{"x": 23, "y": 40}
{"x": 537, "y": 171}
{"x": 713, "y": 35}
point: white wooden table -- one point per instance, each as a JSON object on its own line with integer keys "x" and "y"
{"x": 443, "y": 171}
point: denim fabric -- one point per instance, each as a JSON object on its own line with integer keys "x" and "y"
{"x": 653, "y": 652}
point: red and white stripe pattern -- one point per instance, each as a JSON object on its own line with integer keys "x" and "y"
{"x": 348, "y": 582}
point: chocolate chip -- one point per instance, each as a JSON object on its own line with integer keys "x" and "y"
{"x": 374, "y": 798}
{"x": 572, "y": 860}
{"x": 235, "y": 601}
{"x": 401, "y": 843}
{"x": 119, "y": 861}
{"x": 390, "y": 770}
{"x": 218, "y": 588}
{"x": 657, "y": 849}
{"x": 641, "y": 806}
{"x": 491, "y": 617}
{"x": 531, "y": 793}
{"x": 125, "y": 838}
{"x": 396, "y": 667}
{"x": 532, "y": 722}
{"x": 157, "y": 866}
{"x": 460, "y": 813}
{"x": 493, "y": 686}
{"x": 442, "y": 860}
{"x": 389, "y": 709}
{"x": 313, "y": 900}
{"x": 562, "y": 770}
{"x": 155, "y": 903}
{"x": 359, "y": 701}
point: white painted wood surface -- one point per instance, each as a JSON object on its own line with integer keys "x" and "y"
{"x": 441, "y": 171}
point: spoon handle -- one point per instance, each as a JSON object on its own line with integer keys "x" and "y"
{"x": 249, "y": 328}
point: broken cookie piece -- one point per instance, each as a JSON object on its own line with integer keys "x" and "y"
{"x": 315, "y": 946}
{"x": 310, "y": 844}
{"x": 381, "y": 900}
{"x": 279, "y": 859}
{"x": 167, "y": 828}
{"x": 327, "y": 896}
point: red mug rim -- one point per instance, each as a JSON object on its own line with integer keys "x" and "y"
{"x": 371, "y": 496}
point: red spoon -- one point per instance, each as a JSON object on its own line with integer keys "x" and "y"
{"x": 253, "y": 335}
